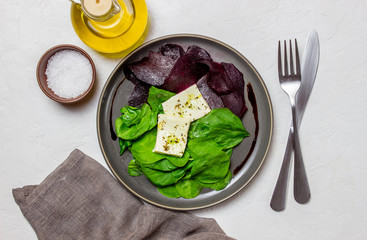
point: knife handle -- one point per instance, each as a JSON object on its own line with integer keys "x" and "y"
{"x": 301, "y": 189}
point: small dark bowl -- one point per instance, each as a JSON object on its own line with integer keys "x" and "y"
{"x": 42, "y": 77}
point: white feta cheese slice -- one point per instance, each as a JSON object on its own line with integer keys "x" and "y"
{"x": 171, "y": 135}
{"x": 187, "y": 104}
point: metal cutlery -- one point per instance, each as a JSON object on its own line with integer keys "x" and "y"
{"x": 309, "y": 69}
{"x": 301, "y": 187}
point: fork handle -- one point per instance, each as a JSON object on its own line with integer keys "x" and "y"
{"x": 278, "y": 199}
{"x": 301, "y": 189}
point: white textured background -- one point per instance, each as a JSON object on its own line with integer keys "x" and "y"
{"x": 37, "y": 134}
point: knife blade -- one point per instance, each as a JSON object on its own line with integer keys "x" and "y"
{"x": 309, "y": 68}
{"x": 310, "y": 63}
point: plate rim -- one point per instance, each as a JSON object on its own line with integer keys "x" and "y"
{"x": 185, "y": 35}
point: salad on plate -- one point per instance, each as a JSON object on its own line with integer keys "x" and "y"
{"x": 183, "y": 120}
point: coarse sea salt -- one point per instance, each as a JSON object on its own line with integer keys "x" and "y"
{"x": 69, "y": 73}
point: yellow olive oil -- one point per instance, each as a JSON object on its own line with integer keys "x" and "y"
{"x": 114, "y": 35}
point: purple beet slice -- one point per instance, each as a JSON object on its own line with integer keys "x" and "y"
{"x": 139, "y": 95}
{"x": 235, "y": 76}
{"x": 235, "y": 102}
{"x": 173, "y": 69}
{"x": 173, "y": 51}
{"x": 130, "y": 75}
{"x": 211, "y": 97}
{"x": 188, "y": 69}
{"x": 153, "y": 69}
{"x": 223, "y": 86}
{"x": 218, "y": 79}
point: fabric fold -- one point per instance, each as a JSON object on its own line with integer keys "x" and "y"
{"x": 80, "y": 199}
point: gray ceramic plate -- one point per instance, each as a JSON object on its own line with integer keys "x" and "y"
{"x": 247, "y": 157}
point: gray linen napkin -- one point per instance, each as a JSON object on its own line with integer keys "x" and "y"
{"x": 80, "y": 199}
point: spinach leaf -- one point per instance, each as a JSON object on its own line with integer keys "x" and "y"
{"x": 210, "y": 162}
{"x": 161, "y": 178}
{"x": 133, "y": 122}
{"x": 162, "y": 165}
{"x": 164, "y": 178}
{"x": 221, "y": 184}
{"x": 188, "y": 174}
{"x": 169, "y": 191}
{"x": 188, "y": 188}
{"x": 213, "y": 173}
{"x": 124, "y": 144}
{"x": 220, "y": 125}
{"x": 155, "y": 99}
{"x": 133, "y": 169}
{"x": 142, "y": 150}
{"x": 132, "y": 115}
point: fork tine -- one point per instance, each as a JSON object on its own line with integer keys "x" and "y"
{"x": 285, "y": 59}
{"x": 291, "y": 58}
{"x": 298, "y": 64}
{"x": 280, "y": 71}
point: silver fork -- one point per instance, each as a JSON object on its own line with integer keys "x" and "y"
{"x": 290, "y": 84}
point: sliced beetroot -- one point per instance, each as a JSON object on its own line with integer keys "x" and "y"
{"x": 139, "y": 95}
{"x": 235, "y": 102}
{"x": 172, "y": 69}
{"x": 153, "y": 69}
{"x": 173, "y": 51}
{"x": 211, "y": 97}
{"x": 188, "y": 69}
{"x": 235, "y": 76}
{"x": 218, "y": 79}
{"x": 130, "y": 75}
{"x": 225, "y": 80}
